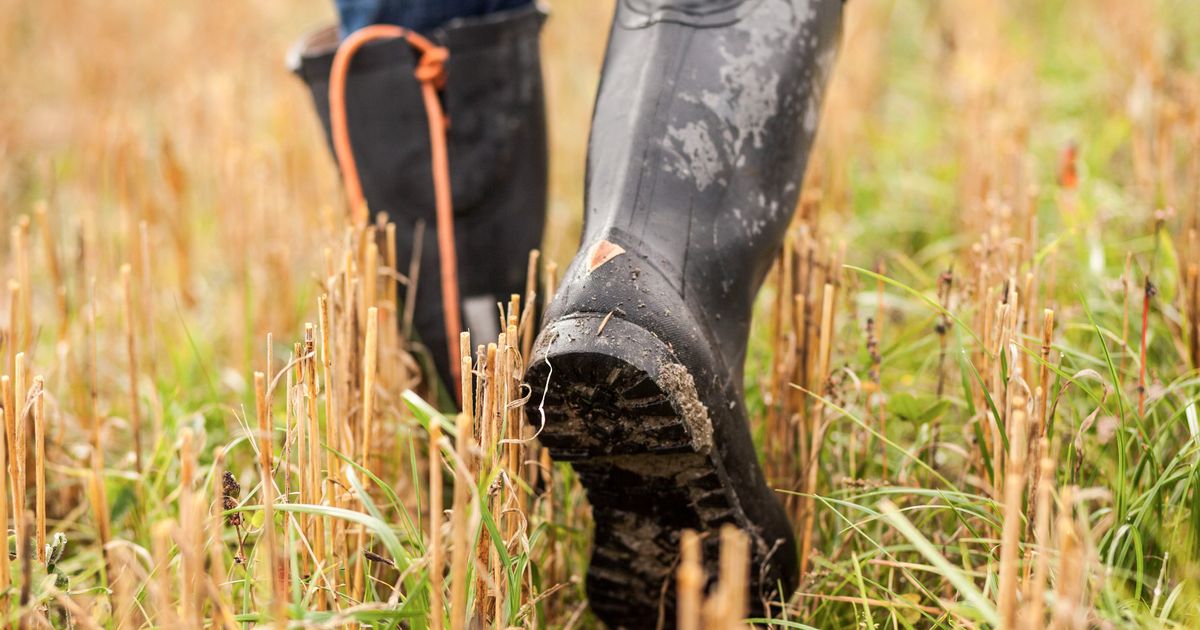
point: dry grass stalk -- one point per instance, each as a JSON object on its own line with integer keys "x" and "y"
{"x": 16, "y": 450}
{"x": 1025, "y": 319}
{"x": 25, "y": 556}
{"x": 1148, "y": 292}
{"x": 487, "y": 574}
{"x": 370, "y": 372}
{"x": 1126, "y": 291}
{"x": 333, "y": 432}
{"x": 49, "y": 248}
{"x": 347, "y": 366}
{"x": 1038, "y": 439}
{"x": 1069, "y": 612}
{"x": 1034, "y": 617}
{"x": 781, "y": 365}
{"x": 1191, "y": 307}
{"x": 802, "y": 272}
{"x": 942, "y": 329}
{"x": 460, "y": 549}
{"x": 497, "y": 464}
{"x": 288, "y": 410}
{"x": 76, "y": 613}
{"x": 191, "y": 560}
{"x": 145, "y": 283}
{"x": 1010, "y": 537}
{"x": 370, "y": 274}
{"x": 5, "y": 566}
{"x": 483, "y": 421}
{"x": 512, "y": 501}
{"x": 218, "y": 576}
{"x": 553, "y": 566}
{"x": 528, "y": 318}
{"x": 370, "y": 366}
{"x": 514, "y": 424}
{"x": 135, "y": 414}
{"x": 20, "y": 252}
{"x": 331, "y": 416}
{"x": 550, "y": 281}
{"x": 309, "y": 366}
{"x": 392, "y": 291}
{"x": 99, "y": 500}
{"x": 999, "y": 393}
{"x": 1044, "y": 373}
{"x": 14, "y": 327}
{"x": 265, "y": 449}
{"x": 531, "y": 470}
{"x": 877, "y": 361}
{"x": 689, "y": 581}
{"x": 297, "y": 400}
{"x": 817, "y": 435}
{"x": 393, "y": 367}
{"x": 735, "y": 574}
{"x": 39, "y": 458}
{"x": 125, "y": 605}
{"x": 726, "y": 608}
{"x": 414, "y": 276}
{"x": 436, "y": 506}
{"x": 161, "y": 589}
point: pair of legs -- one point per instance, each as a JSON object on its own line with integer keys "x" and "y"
{"x": 419, "y": 15}
{"x": 699, "y": 141}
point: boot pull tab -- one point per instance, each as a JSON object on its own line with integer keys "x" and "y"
{"x": 431, "y": 73}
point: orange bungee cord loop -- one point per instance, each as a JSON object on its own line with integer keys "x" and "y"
{"x": 431, "y": 73}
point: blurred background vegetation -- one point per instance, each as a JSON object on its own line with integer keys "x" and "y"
{"x": 1048, "y": 145}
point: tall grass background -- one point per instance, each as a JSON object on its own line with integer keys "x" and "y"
{"x": 972, "y": 372}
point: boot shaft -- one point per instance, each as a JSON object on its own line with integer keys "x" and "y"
{"x": 700, "y": 137}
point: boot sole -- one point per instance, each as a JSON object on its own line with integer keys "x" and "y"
{"x": 610, "y": 398}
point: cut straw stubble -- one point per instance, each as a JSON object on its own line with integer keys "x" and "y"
{"x": 218, "y": 576}
{"x": 1010, "y": 537}
{"x": 332, "y": 437}
{"x": 135, "y": 416}
{"x": 187, "y": 535}
{"x": 436, "y": 506}
{"x": 18, "y": 452}
{"x": 5, "y": 566}
{"x": 460, "y": 548}
{"x": 689, "y": 582}
{"x": 370, "y": 364}
{"x": 1036, "y": 590}
{"x": 265, "y": 438}
{"x": 309, "y": 368}
{"x": 39, "y": 443}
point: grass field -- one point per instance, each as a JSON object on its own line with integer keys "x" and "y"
{"x": 973, "y": 371}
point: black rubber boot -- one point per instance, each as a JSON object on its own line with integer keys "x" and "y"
{"x": 699, "y": 141}
{"x": 497, "y": 151}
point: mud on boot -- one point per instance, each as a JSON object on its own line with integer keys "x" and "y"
{"x": 699, "y": 141}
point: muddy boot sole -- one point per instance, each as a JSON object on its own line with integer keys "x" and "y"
{"x": 612, "y": 399}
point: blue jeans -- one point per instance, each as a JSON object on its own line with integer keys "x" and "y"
{"x": 418, "y": 15}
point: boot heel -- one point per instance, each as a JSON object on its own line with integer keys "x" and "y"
{"x": 611, "y": 398}
{"x": 604, "y": 386}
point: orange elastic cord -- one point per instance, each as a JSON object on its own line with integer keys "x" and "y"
{"x": 431, "y": 72}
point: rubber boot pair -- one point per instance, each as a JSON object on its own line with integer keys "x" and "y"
{"x": 700, "y": 136}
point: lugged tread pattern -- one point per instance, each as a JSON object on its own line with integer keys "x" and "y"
{"x": 647, "y": 473}
{"x": 603, "y": 406}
